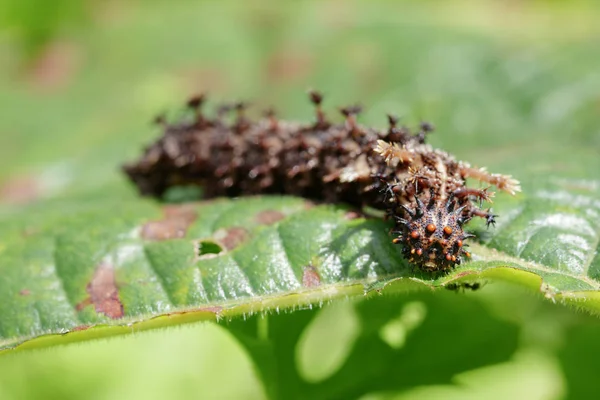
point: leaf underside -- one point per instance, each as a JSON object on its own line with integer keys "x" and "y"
{"x": 132, "y": 265}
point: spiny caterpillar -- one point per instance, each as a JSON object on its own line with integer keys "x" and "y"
{"x": 421, "y": 189}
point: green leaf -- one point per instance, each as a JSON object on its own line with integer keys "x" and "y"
{"x": 394, "y": 345}
{"x": 521, "y": 101}
{"x": 579, "y": 368}
{"x": 83, "y": 269}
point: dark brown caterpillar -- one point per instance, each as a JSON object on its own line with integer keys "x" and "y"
{"x": 422, "y": 189}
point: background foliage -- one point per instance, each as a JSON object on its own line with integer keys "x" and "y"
{"x": 510, "y": 85}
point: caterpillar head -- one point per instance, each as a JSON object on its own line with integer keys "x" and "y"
{"x": 432, "y": 236}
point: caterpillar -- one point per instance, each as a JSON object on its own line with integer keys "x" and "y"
{"x": 421, "y": 189}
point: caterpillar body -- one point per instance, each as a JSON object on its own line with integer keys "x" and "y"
{"x": 421, "y": 189}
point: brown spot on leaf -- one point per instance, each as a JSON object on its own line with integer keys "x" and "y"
{"x": 25, "y": 292}
{"x": 232, "y": 237}
{"x": 308, "y": 205}
{"x": 103, "y": 292}
{"x": 352, "y": 215}
{"x": 269, "y": 217}
{"x": 310, "y": 276}
{"x": 175, "y": 223}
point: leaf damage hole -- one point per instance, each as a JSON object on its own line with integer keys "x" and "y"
{"x": 174, "y": 225}
{"x": 222, "y": 241}
{"x": 208, "y": 249}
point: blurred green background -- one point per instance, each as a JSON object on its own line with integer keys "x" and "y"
{"x": 513, "y": 85}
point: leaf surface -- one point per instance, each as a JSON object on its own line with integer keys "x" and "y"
{"x": 136, "y": 264}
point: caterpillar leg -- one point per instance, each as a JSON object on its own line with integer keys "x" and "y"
{"x": 489, "y": 216}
